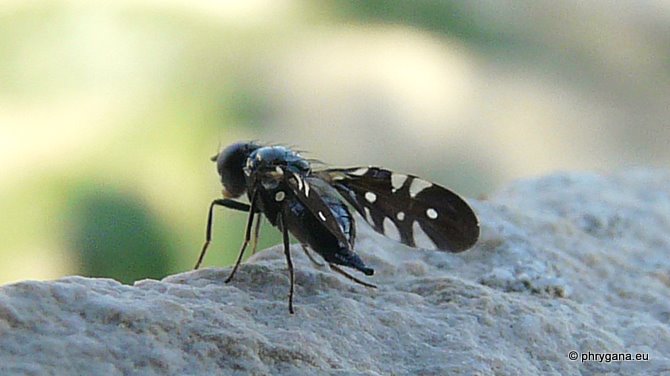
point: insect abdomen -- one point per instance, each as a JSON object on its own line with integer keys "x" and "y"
{"x": 308, "y": 229}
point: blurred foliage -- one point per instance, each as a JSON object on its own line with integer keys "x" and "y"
{"x": 115, "y": 235}
{"x": 453, "y": 18}
{"x": 109, "y": 111}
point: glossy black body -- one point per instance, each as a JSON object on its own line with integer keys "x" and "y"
{"x": 281, "y": 186}
{"x": 265, "y": 170}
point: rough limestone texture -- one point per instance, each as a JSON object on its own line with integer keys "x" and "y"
{"x": 569, "y": 262}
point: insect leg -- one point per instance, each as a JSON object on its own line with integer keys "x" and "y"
{"x": 311, "y": 258}
{"x": 227, "y": 203}
{"x": 257, "y": 231}
{"x": 247, "y": 236}
{"x": 287, "y": 252}
{"x": 351, "y": 277}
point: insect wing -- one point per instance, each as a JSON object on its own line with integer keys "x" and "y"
{"x": 310, "y": 196}
{"x": 406, "y": 208}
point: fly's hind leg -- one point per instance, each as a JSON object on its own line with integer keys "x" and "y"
{"x": 310, "y": 257}
{"x": 351, "y": 277}
{"x": 287, "y": 252}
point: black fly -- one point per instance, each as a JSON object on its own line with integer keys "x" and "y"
{"x": 309, "y": 204}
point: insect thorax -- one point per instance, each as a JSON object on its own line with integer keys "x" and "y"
{"x": 267, "y": 166}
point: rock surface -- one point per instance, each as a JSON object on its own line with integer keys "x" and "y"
{"x": 568, "y": 262}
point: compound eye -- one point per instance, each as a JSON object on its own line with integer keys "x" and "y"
{"x": 231, "y": 164}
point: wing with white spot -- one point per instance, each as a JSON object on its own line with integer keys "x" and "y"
{"x": 309, "y": 195}
{"x": 408, "y": 209}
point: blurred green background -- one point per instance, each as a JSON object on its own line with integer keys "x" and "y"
{"x": 109, "y": 111}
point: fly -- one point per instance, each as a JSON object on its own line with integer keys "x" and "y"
{"x": 314, "y": 206}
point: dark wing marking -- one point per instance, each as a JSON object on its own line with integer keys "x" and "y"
{"x": 406, "y": 208}
{"x": 310, "y": 196}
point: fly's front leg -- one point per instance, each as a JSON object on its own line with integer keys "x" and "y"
{"x": 226, "y": 203}
{"x": 247, "y": 236}
{"x": 257, "y": 232}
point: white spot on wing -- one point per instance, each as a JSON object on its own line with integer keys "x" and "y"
{"x": 397, "y": 180}
{"x": 306, "y": 189}
{"x": 417, "y": 186}
{"x": 391, "y": 230}
{"x": 359, "y": 172}
{"x": 323, "y": 217}
{"x": 279, "y": 170}
{"x": 421, "y": 239}
{"x": 279, "y": 196}
{"x": 400, "y": 216}
{"x": 431, "y": 213}
{"x": 371, "y": 197}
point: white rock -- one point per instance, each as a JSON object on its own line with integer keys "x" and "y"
{"x": 566, "y": 262}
